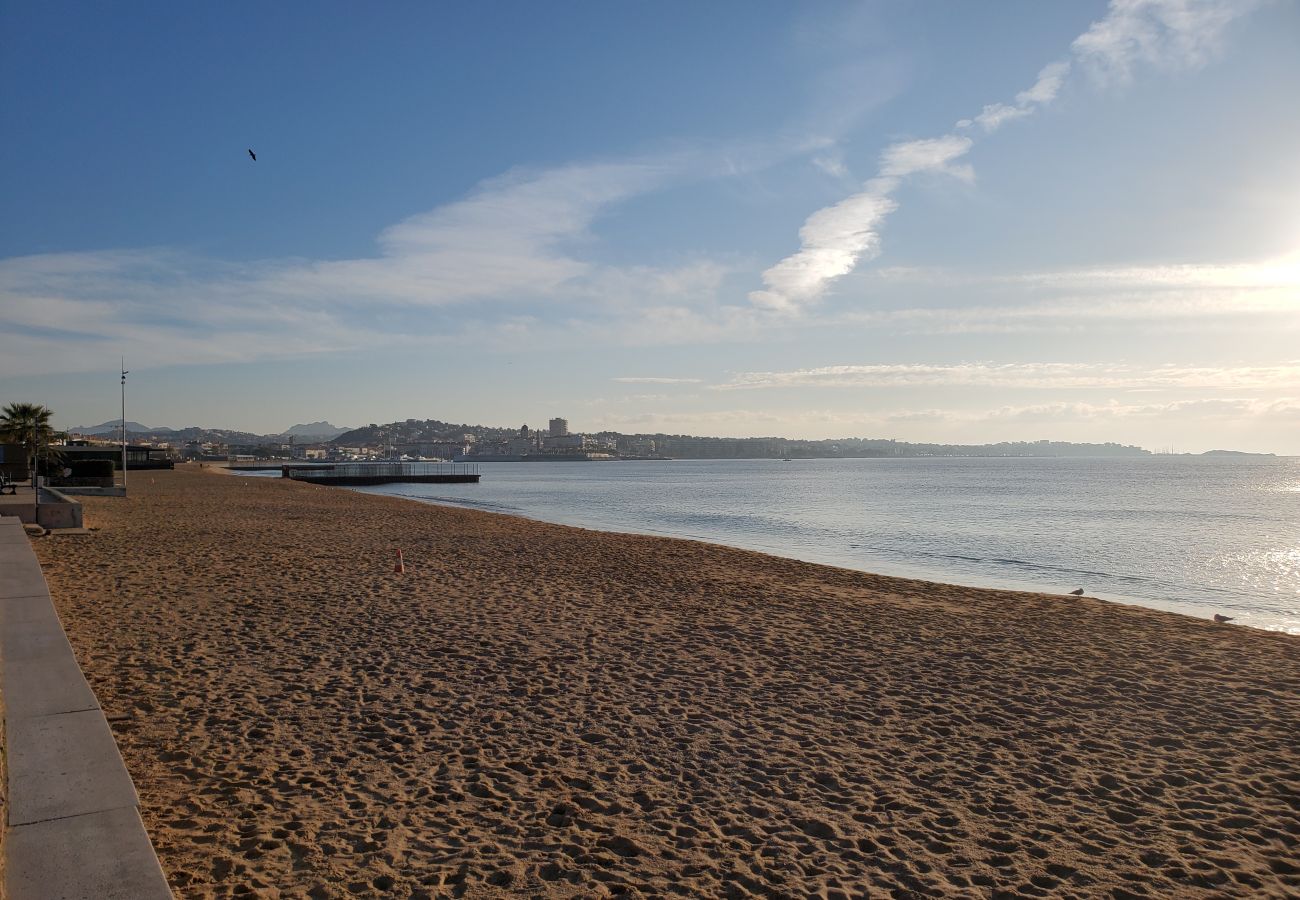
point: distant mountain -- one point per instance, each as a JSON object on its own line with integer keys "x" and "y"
{"x": 313, "y": 432}
{"x": 322, "y": 431}
{"x": 1231, "y": 453}
{"x": 116, "y": 427}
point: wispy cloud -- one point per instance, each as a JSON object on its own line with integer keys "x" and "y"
{"x": 929, "y": 155}
{"x": 715, "y": 422}
{"x": 514, "y": 258}
{"x": 511, "y": 245}
{"x": 508, "y": 240}
{"x": 989, "y": 423}
{"x": 1044, "y": 91}
{"x": 1169, "y": 33}
{"x": 837, "y": 237}
{"x": 834, "y": 239}
{"x": 1037, "y": 375}
{"x": 1273, "y": 272}
{"x": 1198, "y": 409}
{"x": 1197, "y": 310}
{"x": 1162, "y": 296}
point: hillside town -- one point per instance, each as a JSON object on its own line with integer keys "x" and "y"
{"x": 433, "y": 439}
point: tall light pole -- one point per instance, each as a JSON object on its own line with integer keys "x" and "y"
{"x": 36, "y": 469}
{"x": 124, "y": 374}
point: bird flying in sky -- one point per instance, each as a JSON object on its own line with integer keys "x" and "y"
{"x": 252, "y": 154}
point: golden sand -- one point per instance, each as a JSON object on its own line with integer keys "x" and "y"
{"x": 541, "y": 710}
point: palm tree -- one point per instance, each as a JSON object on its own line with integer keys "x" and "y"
{"x": 28, "y": 425}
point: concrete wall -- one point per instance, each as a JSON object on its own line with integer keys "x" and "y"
{"x": 54, "y": 511}
{"x": 72, "y": 819}
{"x": 23, "y": 509}
{"x": 63, "y": 512}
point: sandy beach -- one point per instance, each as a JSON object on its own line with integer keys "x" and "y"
{"x": 548, "y": 711}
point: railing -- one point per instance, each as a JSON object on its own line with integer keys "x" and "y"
{"x": 380, "y": 470}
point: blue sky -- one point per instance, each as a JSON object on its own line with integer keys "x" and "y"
{"x": 928, "y": 221}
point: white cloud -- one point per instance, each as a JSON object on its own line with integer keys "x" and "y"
{"x": 1044, "y": 91}
{"x": 1277, "y": 273}
{"x": 931, "y": 154}
{"x": 834, "y": 239}
{"x": 502, "y": 265}
{"x": 996, "y": 114}
{"x": 1023, "y": 375}
{"x": 620, "y": 289}
{"x": 975, "y": 425}
{"x": 1195, "y": 410}
{"x": 507, "y": 240}
{"x": 1170, "y": 33}
{"x": 1048, "y": 85}
{"x": 1280, "y": 272}
{"x": 438, "y": 275}
{"x": 713, "y": 422}
{"x": 1158, "y": 296}
{"x": 1198, "y": 410}
{"x": 524, "y": 209}
{"x": 512, "y": 260}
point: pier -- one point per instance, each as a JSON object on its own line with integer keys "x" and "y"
{"x": 353, "y": 474}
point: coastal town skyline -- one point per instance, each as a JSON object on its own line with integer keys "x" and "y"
{"x": 437, "y": 439}
{"x": 854, "y": 219}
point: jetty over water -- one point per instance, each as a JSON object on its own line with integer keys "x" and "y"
{"x": 383, "y": 473}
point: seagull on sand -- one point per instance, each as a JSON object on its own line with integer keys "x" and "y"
{"x": 1077, "y": 592}
{"x": 1220, "y": 619}
{"x": 252, "y": 154}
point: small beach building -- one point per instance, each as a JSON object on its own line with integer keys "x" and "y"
{"x": 138, "y": 456}
{"x": 13, "y": 462}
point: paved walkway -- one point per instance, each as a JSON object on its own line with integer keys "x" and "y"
{"x": 73, "y": 826}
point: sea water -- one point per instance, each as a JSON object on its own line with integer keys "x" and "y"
{"x": 1197, "y": 535}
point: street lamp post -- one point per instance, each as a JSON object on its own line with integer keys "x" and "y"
{"x": 36, "y": 474}
{"x": 124, "y": 374}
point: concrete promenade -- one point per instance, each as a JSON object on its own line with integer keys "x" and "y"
{"x": 72, "y": 823}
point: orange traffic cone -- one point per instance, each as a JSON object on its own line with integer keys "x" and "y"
{"x": 400, "y": 568}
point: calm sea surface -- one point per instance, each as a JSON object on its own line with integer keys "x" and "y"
{"x": 1194, "y": 535}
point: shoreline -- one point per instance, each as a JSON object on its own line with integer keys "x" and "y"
{"x": 902, "y": 572}
{"x": 886, "y": 568}
{"x": 568, "y": 712}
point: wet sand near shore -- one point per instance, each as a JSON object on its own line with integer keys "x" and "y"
{"x": 539, "y": 710}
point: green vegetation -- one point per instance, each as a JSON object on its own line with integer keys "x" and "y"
{"x": 28, "y": 426}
